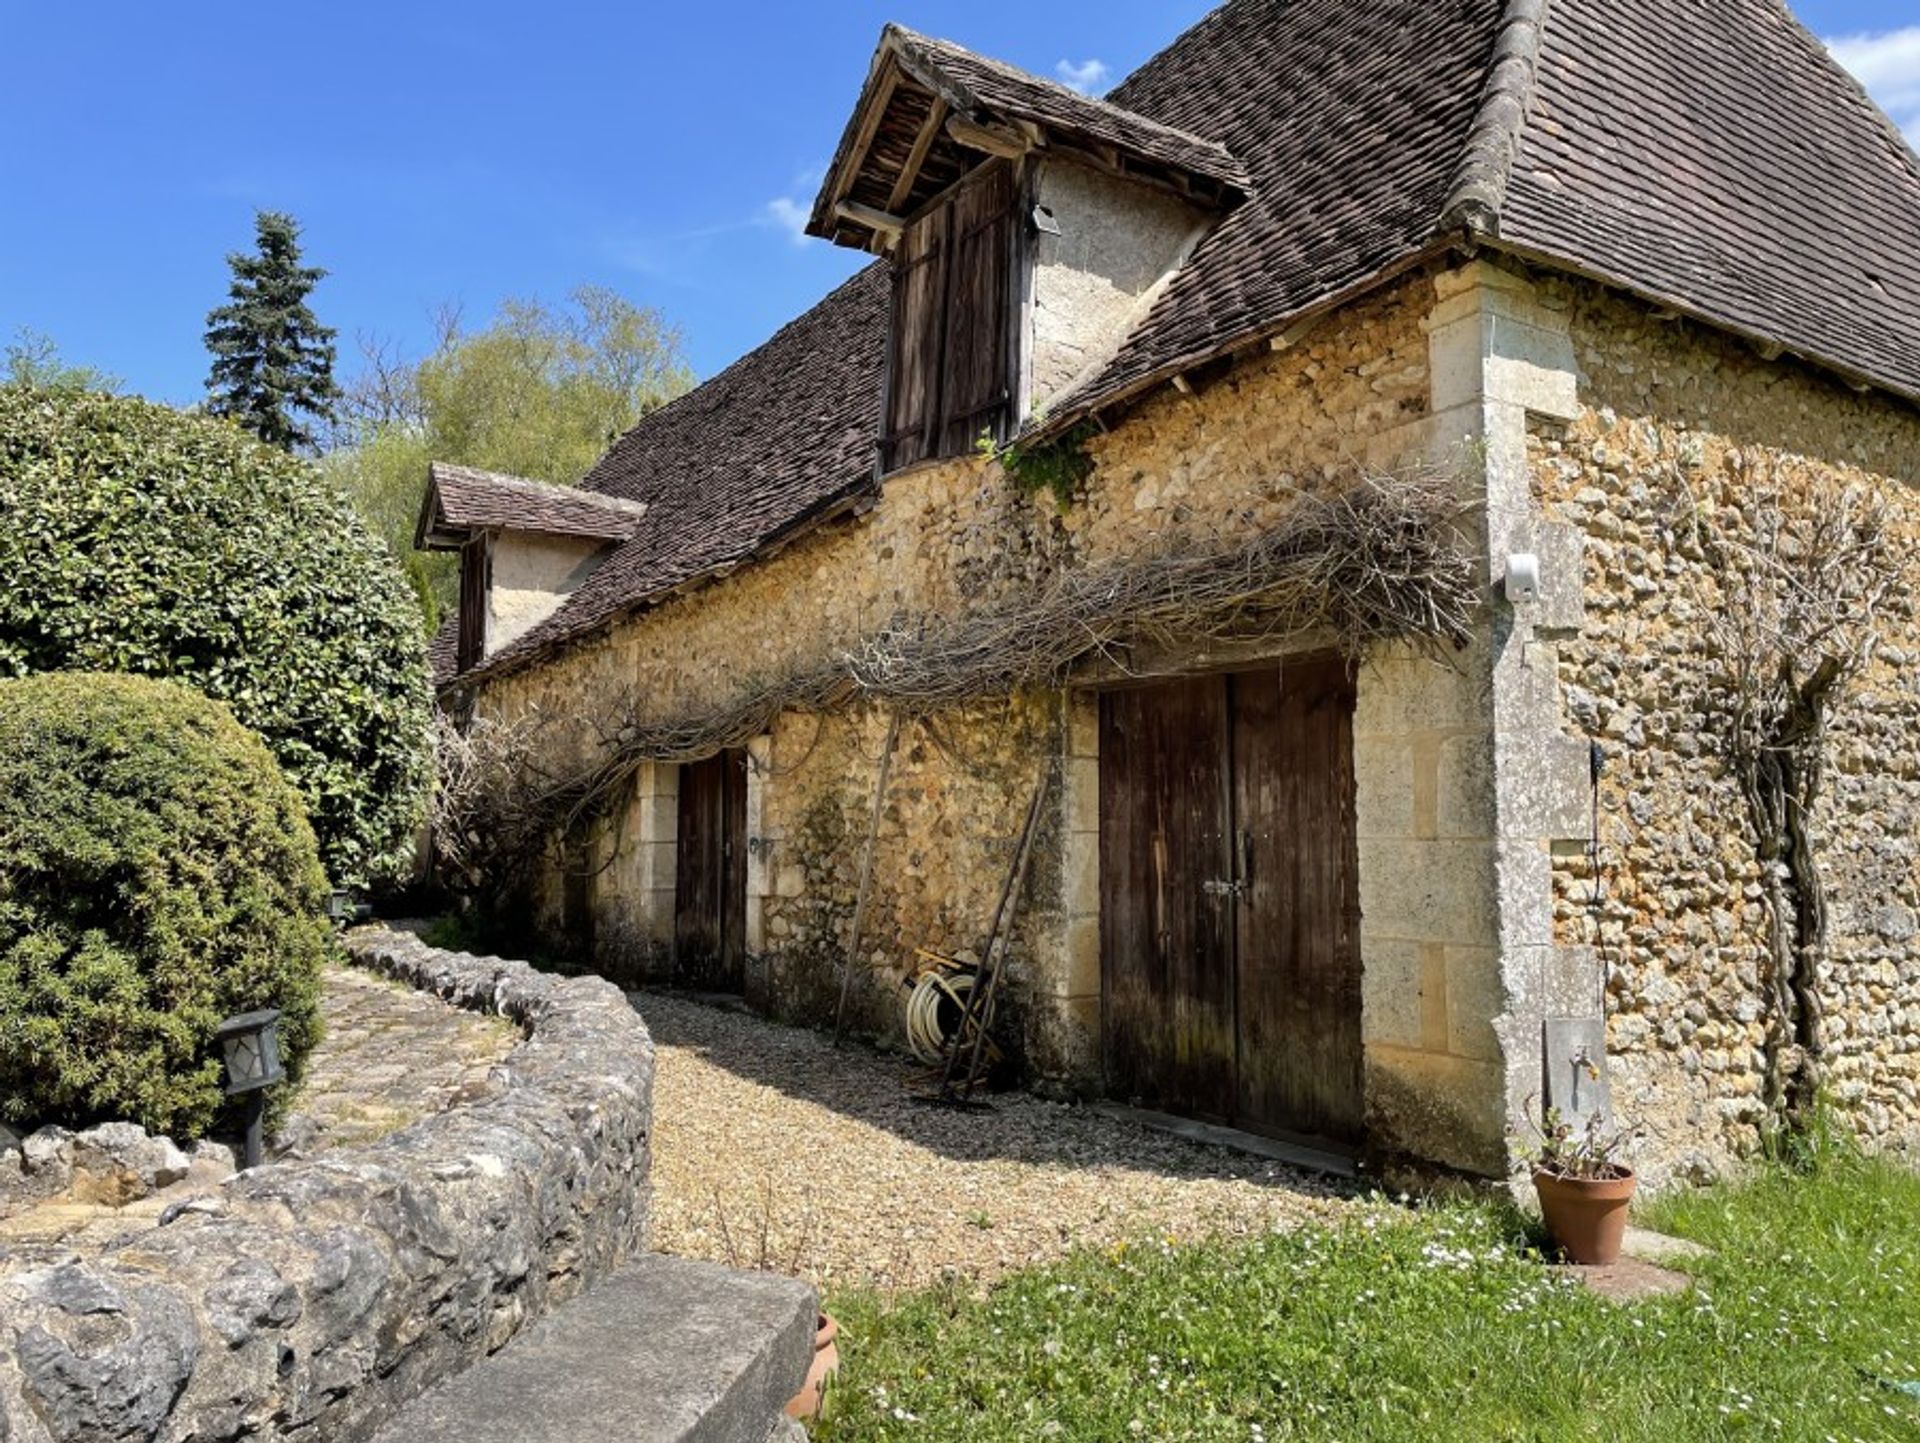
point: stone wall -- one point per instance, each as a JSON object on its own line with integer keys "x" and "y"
{"x": 1219, "y": 463}
{"x": 1581, "y": 420}
{"x": 1673, "y": 419}
{"x": 310, "y": 1300}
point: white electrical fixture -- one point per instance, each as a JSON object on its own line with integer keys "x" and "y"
{"x": 1523, "y": 578}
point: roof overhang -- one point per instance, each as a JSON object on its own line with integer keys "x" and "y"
{"x": 932, "y": 112}
{"x": 462, "y": 502}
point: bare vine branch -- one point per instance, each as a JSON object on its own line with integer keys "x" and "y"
{"x": 1379, "y": 560}
{"x": 1804, "y": 583}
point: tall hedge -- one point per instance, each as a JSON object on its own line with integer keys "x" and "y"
{"x": 157, "y": 875}
{"x": 136, "y": 538}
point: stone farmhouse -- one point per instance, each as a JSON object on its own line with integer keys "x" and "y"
{"x": 1637, "y": 280}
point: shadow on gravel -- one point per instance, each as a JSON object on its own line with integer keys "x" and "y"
{"x": 877, "y": 1089}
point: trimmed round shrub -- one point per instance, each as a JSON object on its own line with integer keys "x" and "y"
{"x": 136, "y": 538}
{"x": 157, "y": 875}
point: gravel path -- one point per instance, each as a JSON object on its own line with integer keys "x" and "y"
{"x": 772, "y": 1150}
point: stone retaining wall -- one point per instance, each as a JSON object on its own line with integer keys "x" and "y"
{"x": 312, "y": 1299}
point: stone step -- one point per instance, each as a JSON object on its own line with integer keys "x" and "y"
{"x": 663, "y": 1351}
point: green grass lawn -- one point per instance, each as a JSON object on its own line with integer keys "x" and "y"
{"x": 1437, "y": 1326}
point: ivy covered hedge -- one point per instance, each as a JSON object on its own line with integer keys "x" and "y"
{"x": 157, "y": 874}
{"x": 141, "y": 539}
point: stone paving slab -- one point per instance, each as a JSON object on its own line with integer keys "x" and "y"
{"x": 1632, "y": 1280}
{"x": 663, "y": 1351}
{"x": 389, "y": 1057}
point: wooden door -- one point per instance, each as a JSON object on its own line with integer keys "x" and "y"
{"x": 710, "y": 883}
{"x": 1229, "y": 900}
{"x": 1166, "y": 935}
{"x": 1297, "y": 936}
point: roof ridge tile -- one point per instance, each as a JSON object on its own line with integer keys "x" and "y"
{"x": 1479, "y": 186}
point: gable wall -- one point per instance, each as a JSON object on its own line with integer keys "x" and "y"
{"x": 532, "y": 577}
{"x": 1675, "y": 417}
{"x": 1119, "y": 242}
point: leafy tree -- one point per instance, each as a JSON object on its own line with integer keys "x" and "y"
{"x": 145, "y": 540}
{"x": 33, "y": 362}
{"x": 272, "y": 360}
{"x": 541, "y": 392}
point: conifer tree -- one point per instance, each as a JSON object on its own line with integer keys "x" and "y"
{"x": 272, "y": 360}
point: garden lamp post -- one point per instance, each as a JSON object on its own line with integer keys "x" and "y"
{"x": 250, "y": 1045}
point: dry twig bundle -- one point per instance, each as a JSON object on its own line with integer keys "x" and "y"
{"x": 1379, "y": 560}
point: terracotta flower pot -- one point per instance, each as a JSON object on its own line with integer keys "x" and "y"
{"x": 826, "y": 1362}
{"x": 1587, "y": 1217}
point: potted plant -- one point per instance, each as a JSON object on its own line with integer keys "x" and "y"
{"x": 1584, "y": 1189}
{"x": 810, "y": 1401}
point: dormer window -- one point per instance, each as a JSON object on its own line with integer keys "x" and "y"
{"x": 1028, "y": 227}
{"x": 525, "y": 547}
{"x": 953, "y": 362}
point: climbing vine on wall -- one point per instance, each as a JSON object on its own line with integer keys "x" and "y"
{"x": 1377, "y": 560}
{"x": 1807, "y": 576}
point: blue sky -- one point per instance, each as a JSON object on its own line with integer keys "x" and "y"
{"x": 466, "y": 153}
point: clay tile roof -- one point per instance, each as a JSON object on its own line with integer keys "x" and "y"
{"x": 461, "y": 500}
{"x": 443, "y": 650}
{"x": 1352, "y": 118}
{"x": 921, "y": 83}
{"x": 1716, "y": 158}
{"x": 979, "y": 85}
{"x": 1710, "y": 157}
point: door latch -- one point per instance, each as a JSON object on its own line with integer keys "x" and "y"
{"x": 1236, "y": 887}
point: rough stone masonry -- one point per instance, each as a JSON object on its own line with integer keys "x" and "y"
{"x": 312, "y": 1299}
{"x": 1564, "y": 410}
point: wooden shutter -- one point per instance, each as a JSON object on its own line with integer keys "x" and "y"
{"x": 976, "y": 369}
{"x": 950, "y": 356}
{"x": 914, "y": 352}
{"x": 474, "y": 578}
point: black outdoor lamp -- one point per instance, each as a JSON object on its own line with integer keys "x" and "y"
{"x": 250, "y": 1044}
{"x": 340, "y": 908}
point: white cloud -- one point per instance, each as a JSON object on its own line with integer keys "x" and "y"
{"x": 1089, "y": 77}
{"x": 1888, "y": 64}
{"x": 790, "y": 215}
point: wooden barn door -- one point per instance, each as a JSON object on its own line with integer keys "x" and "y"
{"x": 1298, "y": 913}
{"x": 1166, "y": 937}
{"x": 1230, "y": 900}
{"x": 710, "y": 886}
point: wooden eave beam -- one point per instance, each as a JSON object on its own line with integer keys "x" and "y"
{"x": 930, "y": 131}
{"x": 994, "y": 140}
{"x": 869, "y": 128}
{"x": 882, "y": 221}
